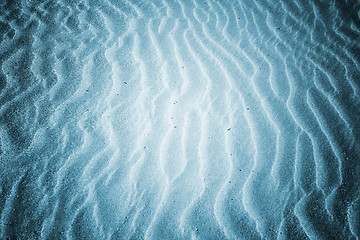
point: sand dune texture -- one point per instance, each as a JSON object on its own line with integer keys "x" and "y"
{"x": 217, "y": 119}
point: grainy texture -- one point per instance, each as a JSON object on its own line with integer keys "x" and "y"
{"x": 179, "y": 119}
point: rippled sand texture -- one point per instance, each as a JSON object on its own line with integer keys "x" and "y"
{"x": 167, "y": 120}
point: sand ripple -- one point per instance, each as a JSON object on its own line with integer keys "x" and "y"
{"x": 179, "y": 120}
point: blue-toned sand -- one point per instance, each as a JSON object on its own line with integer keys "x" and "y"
{"x": 163, "y": 119}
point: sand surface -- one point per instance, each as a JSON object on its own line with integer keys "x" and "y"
{"x": 179, "y": 119}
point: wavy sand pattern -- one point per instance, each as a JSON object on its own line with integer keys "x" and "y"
{"x": 179, "y": 119}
